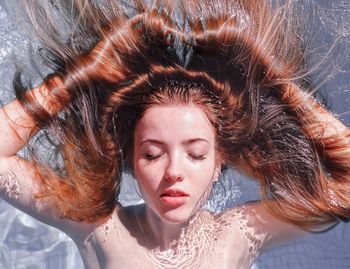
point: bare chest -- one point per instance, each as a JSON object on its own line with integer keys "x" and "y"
{"x": 112, "y": 247}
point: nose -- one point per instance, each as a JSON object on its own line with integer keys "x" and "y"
{"x": 174, "y": 170}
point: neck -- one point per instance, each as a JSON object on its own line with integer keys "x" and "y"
{"x": 164, "y": 234}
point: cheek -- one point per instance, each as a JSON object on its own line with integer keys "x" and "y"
{"x": 203, "y": 175}
{"x": 147, "y": 176}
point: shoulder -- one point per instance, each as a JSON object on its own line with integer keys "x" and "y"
{"x": 258, "y": 226}
{"x": 120, "y": 221}
{"x": 81, "y": 232}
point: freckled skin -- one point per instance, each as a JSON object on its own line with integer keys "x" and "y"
{"x": 174, "y": 148}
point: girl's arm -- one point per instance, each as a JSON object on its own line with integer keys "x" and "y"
{"x": 17, "y": 127}
{"x": 258, "y": 228}
{"x": 270, "y": 228}
{"x": 18, "y": 183}
{"x": 332, "y": 142}
{"x": 332, "y": 138}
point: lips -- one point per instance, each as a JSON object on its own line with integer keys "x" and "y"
{"x": 174, "y": 193}
{"x": 174, "y": 197}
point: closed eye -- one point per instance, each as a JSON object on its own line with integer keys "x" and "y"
{"x": 197, "y": 157}
{"x": 151, "y": 157}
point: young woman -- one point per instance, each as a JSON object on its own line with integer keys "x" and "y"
{"x": 174, "y": 94}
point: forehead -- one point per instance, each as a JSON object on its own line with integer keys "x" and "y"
{"x": 174, "y": 122}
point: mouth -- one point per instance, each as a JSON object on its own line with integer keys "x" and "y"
{"x": 174, "y": 197}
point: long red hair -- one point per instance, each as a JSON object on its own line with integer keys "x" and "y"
{"x": 241, "y": 54}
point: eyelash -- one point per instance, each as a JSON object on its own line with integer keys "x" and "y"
{"x": 194, "y": 157}
{"x": 150, "y": 157}
{"x": 198, "y": 157}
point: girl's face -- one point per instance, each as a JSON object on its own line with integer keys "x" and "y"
{"x": 174, "y": 159}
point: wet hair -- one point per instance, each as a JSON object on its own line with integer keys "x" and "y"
{"x": 240, "y": 61}
{"x": 129, "y": 107}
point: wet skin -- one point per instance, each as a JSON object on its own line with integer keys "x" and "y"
{"x": 174, "y": 163}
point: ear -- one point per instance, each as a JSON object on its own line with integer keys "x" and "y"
{"x": 217, "y": 173}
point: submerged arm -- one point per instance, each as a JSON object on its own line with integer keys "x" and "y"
{"x": 273, "y": 230}
{"x": 332, "y": 141}
{"x": 17, "y": 126}
{"x": 261, "y": 229}
{"x": 328, "y": 138}
{"x": 18, "y": 176}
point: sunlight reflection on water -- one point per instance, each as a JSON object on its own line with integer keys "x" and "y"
{"x": 26, "y": 243}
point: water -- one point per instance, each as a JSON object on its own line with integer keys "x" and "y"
{"x": 26, "y": 243}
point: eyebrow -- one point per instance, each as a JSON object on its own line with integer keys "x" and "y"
{"x": 186, "y": 142}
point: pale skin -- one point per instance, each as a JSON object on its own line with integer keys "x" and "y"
{"x": 183, "y": 160}
{"x": 174, "y": 152}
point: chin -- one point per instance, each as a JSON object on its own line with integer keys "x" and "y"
{"x": 176, "y": 216}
